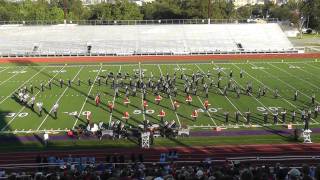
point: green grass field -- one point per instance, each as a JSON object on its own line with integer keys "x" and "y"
{"x": 75, "y": 101}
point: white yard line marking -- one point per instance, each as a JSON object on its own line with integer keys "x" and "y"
{"x": 214, "y": 122}
{"x": 284, "y": 82}
{"x": 11, "y": 77}
{"x": 4, "y": 69}
{"x": 294, "y": 76}
{"x": 316, "y": 67}
{"x": 65, "y": 90}
{"x": 7, "y": 125}
{"x": 25, "y": 82}
{"x": 171, "y": 101}
{"x": 114, "y": 99}
{"x": 292, "y": 105}
{"x": 84, "y": 103}
{"x": 140, "y": 74}
{"x": 301, "y": 69}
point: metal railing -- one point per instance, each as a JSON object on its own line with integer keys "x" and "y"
{"x": 140, "y": 22}
{"x": 67, "y": 53}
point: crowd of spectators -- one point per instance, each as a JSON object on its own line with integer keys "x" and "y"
{"x": 167, "y": 168}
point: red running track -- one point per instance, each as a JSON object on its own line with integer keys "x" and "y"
{"x": 173, "y": 58}
{"x": 185, "y": 153}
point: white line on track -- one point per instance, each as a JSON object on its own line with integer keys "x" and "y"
{"x": 84, "y": 103}
{"x": 25, "y": 106}
{"x": 140, "y": 75}
{"x": 11, "y": 77}
{"x": 22, "y": 85}
{"x": 114, "y": 99}
{"x": 171, "y": 100}
{"x": 214, "y": 122}
{"x": 289, "y": 85}
{"x": 61, "y": 95}
{"x": 294, "y": 76}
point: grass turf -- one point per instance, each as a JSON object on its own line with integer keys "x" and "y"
{"x": 74, "y": 101}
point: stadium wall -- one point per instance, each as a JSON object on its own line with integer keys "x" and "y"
{"x": 172, "y": 59}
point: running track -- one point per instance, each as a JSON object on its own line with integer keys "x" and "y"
{"x": 185, "y": 153}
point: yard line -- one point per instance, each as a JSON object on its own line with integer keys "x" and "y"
{"x": 294, "y": 76}
{"x": 311, "y": 74}
{"x": 114, "y": 99}
{"x": 171, "y": 100}
{"x": 25, "y": 106}
{"x": 4, "y": 69}
{"x": 22, "y": 85}
{"x": 11, "y": 76}
{"x": 316, "y": 67}
{"x": 84, "y": 103}
{"x": 225, "y": 97}
{"x": 65, "y": 90}
{"x": 284, "y": 82}
{"x": 214, "y": 122}
{"x": 143, "y": 114}
{"x": 292, "y": 105}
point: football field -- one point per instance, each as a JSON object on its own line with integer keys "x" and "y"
{"x": 76, "y": 101}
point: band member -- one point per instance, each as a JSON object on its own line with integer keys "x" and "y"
{"x": 241, "y": 73}
{"x": 39, "y": 105}
{"x": 110, "y": 106}
{"x": 126, "y": 116}
{"x": 61, "y": 83}
{"x": 145, "y": 105}
{"x": 237, "y": 115}
{"x": 31, "y": 102}
{"x": 55, "y": 110}
{"x": 175, "y": 105}
{"x": 97, "y": 99}
{"x": 275, "y": 117}
{"x": 248, "y": 115}
{"x": 126, "y": 101}
{"x": 49, "y": 84}
{"x": 265, "y": 117}
{"x": 194, "y": 115}
{"x": 206, "y": 104}
{"x": 69, "y": 82}
{"x": 79, "y": 82}
{"x": 313, "y": 98}
{"x": 162, "y": 114}
{"x": 189, "y": 99}
{"x": 31, "y": 88}
{"x": 158, "y": 99}
{"x": 226, "y": 115}
{"x": 295, "y": 95}
{"x": 293, "y": 116}
{"x": 42, "y": 87}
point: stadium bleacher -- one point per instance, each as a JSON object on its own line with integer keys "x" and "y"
{"x": 72, "y": 39}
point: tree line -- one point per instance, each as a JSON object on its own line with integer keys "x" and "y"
{"x": 293, "y": 11}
